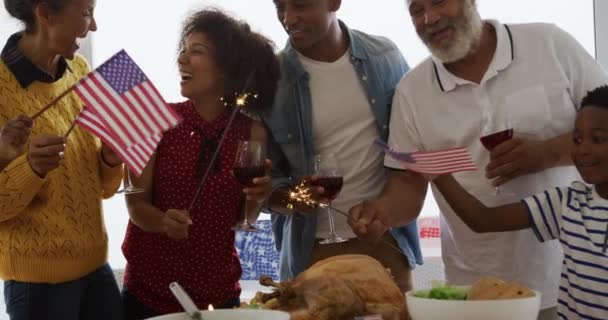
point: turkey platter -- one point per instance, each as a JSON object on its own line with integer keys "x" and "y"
{"x": 337, "y": 288}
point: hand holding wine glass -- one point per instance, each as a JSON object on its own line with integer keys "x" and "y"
{"x": 522, "y": 156}
{"x": 262, "y": 186}
{"x": 249, "y": 164}
{"x": 325, "y": 167}
{"x": 493, "y": 136}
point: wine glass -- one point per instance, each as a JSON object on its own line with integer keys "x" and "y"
{"x": 325, "y": 167}
{"x": 127, "y": 186}
{"x": 492, "y": 136}
{"x": 248, "y": 164}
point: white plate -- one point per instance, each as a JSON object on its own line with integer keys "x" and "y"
{"x": 232, "y": 314}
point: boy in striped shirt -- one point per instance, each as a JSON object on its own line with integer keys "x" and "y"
{"x": 576, "y": 215}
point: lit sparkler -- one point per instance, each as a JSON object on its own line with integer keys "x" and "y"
{"x": 301, "y": 194}
{"x": 241, "y": 101}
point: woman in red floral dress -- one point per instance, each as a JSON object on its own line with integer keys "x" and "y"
{"x": 164, "y": 242}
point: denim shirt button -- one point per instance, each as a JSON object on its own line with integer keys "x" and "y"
{"x": 364, "y": 78}
{"x": 384, "y": 127}
{"x": 289, "y": 136}
{"x": 373, "y": 101}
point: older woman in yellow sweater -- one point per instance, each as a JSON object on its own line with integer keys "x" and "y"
{"x": 53, "y": 243}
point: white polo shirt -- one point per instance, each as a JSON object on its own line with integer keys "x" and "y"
{"x": 537, "y": 79}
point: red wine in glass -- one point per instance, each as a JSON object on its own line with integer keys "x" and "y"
{"x": 245, "y": 175}
{"x": 248, "y": 165}
{"x": 326, "y": 168}
{"x": 331, "y": 185}
{"x": 492, "y": 140}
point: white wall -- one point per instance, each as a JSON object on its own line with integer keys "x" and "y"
{"x": 151, "y": 38}
{"x": 601, "y": 31}
{"x": 148, "y": 30}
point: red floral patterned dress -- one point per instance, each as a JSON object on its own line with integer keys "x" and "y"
{"x": 206, "y": 264}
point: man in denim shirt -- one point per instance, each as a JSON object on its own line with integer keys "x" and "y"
{"x": 334, "y": 97}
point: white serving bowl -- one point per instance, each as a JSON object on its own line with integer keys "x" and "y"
{"x": 230, "y": 314}
{"x": 509, "y": 309}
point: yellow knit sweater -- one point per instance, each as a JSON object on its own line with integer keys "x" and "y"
{"x": 52, "y": 229}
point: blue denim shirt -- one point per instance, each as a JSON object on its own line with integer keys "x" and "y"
{"x": 380, "y": 65}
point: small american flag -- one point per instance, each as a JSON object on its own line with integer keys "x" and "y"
{"x": 433, "y": 162}
{"x": 126, "y": 102}
{"x": 136, "y": 157}
{"x": 124, "y": 109}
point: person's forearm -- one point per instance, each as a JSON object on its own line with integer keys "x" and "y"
{"x": 403, "y": 197}
{"x": 19, "y": 185}
{"x": 147, "y": 217}
{"x": 558, "y": 151}
{"x": 480, "y": 218}
{"x": 467, "y": 207}
{"x": 110, "y": 175}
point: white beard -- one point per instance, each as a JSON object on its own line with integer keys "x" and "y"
{"x": 467, "y": 36}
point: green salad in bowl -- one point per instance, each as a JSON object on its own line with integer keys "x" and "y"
{"x": 443, "y": 292}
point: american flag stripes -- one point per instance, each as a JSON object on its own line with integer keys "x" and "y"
{"x": 124, "y": 109}
{"x": 433, "y": 162}
{"x": 136, "y": 156}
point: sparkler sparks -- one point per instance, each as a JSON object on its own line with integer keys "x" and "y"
{"x": 302, "y": 194}
{"x": 242, "y": 99}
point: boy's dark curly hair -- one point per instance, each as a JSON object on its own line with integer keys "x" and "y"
{"x": 597, "y": 97}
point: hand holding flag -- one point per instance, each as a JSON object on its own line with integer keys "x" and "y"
{"x": 124, "y": 109}
{"x": 432, "y": 162}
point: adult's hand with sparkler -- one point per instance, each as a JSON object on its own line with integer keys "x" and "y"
{"x": 45, "y": 153}
{"x": 369, "y": 220}
{"x": 304, "y": 197}
{"x": 176, "y": 224}
{"x": 399, "y": 204}
{"x": 315, "y": 191}
{"x": 13, "y": 138}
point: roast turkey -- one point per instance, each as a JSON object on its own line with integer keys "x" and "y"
{"x": 340, "y": 287}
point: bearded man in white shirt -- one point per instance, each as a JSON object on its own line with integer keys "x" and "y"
{"x": 482, "y": 73}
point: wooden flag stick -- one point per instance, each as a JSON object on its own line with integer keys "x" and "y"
{"x": 67, "y": 134}
{"x": 52, "y": 103}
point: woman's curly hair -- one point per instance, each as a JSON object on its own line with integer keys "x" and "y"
{"x": 240, "y": 54}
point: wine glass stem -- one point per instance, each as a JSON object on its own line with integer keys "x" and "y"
{"x": 245, "y": 221}
{"x": 128, "y": 184}
{"x": 332, "y": 230}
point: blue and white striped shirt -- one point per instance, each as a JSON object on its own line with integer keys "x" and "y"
{"x": 578, "y": 217}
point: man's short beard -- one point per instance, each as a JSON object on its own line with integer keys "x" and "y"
{"x": 467, "y": 37}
